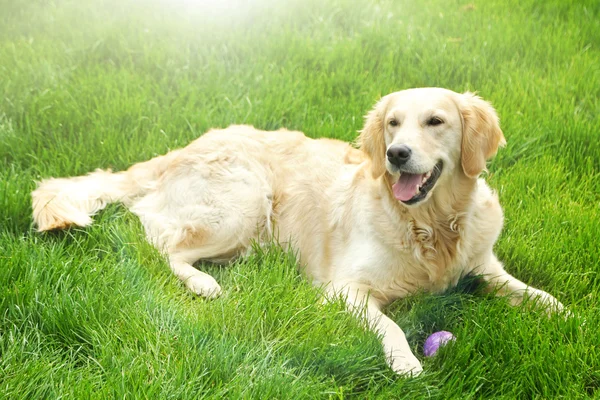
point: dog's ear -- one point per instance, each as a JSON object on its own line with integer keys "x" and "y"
{"x": 481, "y": 134}
{"x": 371, "y": 140}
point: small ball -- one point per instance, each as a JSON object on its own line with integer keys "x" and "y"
{"x": 435, "y": 341}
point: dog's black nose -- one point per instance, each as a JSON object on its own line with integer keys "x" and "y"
{"x": 399, "y": 154}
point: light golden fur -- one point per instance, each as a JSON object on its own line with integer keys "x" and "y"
{"x": 331, "y": 202}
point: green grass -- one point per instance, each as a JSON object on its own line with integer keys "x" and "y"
{"x": 96, "y": 313}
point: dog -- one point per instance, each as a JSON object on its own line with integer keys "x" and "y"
{"x": 403, "y": 211}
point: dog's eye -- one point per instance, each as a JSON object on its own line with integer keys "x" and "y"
{"x": 393, "y": 122}
{"x": 435, "y": 121}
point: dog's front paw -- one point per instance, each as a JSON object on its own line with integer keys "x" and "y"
{"x": 405, "y": 364}
{"x": 556, "y": 307}
{"x": 203, "y": 285}
{"x": 549, "y": 303}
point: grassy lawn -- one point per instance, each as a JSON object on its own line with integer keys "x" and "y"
{"x": 96, "y": 313}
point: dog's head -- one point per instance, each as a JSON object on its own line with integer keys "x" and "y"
{"x": 418, "y": 137}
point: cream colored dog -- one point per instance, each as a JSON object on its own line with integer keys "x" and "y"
{"x": 403, "y": 213}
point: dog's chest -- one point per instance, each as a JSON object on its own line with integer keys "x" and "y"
{"x": 416, "y": 257}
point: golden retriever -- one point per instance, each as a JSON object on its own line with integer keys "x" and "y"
{"x": 406, "y": 211}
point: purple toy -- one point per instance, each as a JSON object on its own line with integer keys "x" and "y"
{"x": 435, "y": 341}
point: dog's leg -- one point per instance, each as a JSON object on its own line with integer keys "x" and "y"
{"x": 197, "y": 281}
{"x": 395, "y": 346}
{"x": 506, "y": 285}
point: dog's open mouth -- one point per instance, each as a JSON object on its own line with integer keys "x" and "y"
{"x": 412, "y": 188}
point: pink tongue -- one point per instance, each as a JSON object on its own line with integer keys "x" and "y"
{"x": 406, "y": 186}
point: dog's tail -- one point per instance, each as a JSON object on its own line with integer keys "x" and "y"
{"x": 62, "y": 202}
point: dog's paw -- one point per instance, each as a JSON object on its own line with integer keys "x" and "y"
{"x": 203, "y": 285}
{"x": 559, "y": 309}
{"x": 406, "y": 365}
{"x": 550, "y": 304}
